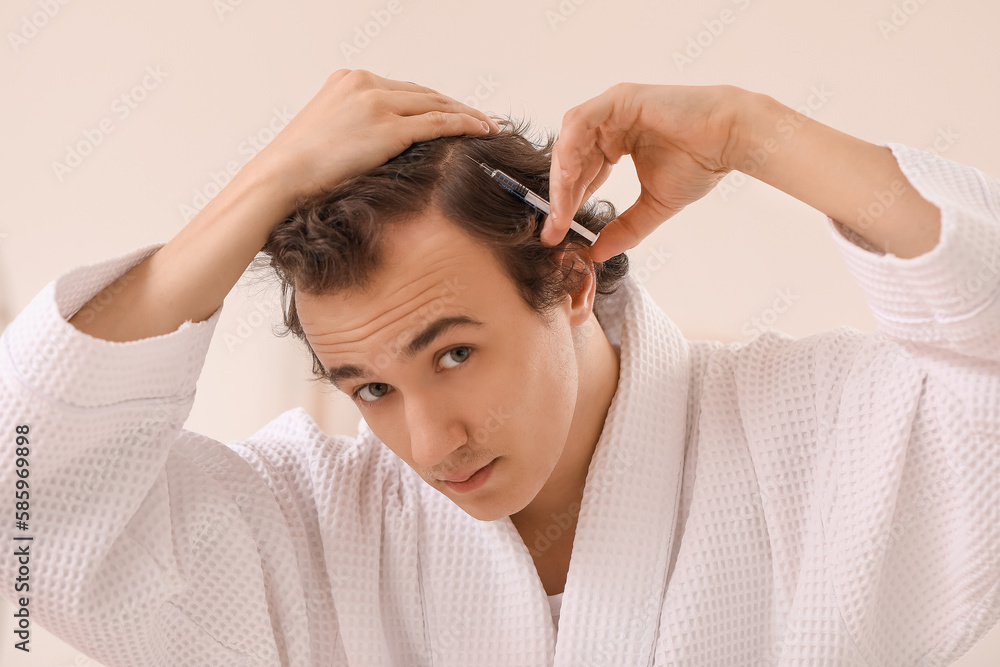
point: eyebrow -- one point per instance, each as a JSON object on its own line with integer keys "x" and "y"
{"x": 419, "y": 342}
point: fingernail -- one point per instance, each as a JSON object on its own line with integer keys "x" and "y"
{"x": 486, "y": 126}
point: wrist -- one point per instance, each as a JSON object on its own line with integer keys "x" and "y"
{"x": 759, "y": 124}
{"x": 275, "y": 180}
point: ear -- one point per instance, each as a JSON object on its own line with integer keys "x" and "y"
{"x": 580, "y": 301}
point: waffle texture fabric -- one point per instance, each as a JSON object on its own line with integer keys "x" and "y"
{"x": 830, "y": 500}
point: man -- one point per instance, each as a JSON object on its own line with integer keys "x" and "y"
{"x": 829, "y": 500}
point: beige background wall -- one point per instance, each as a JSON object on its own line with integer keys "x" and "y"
{"x": 227, "y": 72}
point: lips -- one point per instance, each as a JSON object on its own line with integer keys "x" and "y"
{"x": 465, "y": 476}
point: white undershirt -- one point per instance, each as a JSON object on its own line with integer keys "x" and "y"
{"x": 555, "y": 602}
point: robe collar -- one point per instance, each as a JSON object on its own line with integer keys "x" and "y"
{"x": 624, "y": 535}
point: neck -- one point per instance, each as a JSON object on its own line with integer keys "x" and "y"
{"x": 598, "y": 364}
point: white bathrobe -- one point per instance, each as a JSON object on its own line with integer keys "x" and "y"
{"x": 831, "y": 500}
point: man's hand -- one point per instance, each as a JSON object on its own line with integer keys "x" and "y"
{"x": 356, "y": 122}
{"x": 685, "y": 139}
{"x": 680, "y": 139}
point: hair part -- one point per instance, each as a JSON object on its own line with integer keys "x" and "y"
{"x": 334, "y": 240}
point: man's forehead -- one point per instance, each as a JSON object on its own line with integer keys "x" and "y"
{"x": 345, "y": 317}
{"x": 432, "y": 273}
{"x": 351, "y": 346}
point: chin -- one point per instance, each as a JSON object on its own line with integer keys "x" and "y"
{"x": 486, "y": 515}
{"x": 490, "y": 511}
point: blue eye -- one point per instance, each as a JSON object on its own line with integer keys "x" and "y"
{"x": 460, "y": 358}
{"x": 373, "y": 392}
{"x": 368, "y": 389}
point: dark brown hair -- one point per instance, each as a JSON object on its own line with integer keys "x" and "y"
{"x": 332, "y": 242}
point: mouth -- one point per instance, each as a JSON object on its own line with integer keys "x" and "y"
{"x": 464, "y": 477}
{"x": 472, "y": 481}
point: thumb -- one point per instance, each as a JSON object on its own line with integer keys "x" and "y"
{"x": 632, "y": 226}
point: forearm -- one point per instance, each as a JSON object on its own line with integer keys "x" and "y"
{"x": 854, "y": 182}
{"x": 189, "y": 277}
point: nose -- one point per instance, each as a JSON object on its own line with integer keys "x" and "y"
{"x": 435, "y": 430}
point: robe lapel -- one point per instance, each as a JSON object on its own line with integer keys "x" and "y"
{"x": 484, "y": 602}
{"x": 624, "y": 536}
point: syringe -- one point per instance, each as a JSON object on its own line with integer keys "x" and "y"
{"x": 532, "y": 198}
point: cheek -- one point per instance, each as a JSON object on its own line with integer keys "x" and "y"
{"x": 389, "y": 436}
{"x": 388, "y": 423}
{"x": 550, "y": 385}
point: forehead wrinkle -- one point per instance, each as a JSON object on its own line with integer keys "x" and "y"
{"x": 434, "y": 260}
{"x": 429, "y": 330}
{"x": 337, "y": 346}
{"x": 377, "y": 325}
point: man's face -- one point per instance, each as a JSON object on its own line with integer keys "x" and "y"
{"x": 505, "y": 387}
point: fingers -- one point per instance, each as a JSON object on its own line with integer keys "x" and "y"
{"x": 406, "y": 98}
{"x": 598, "y": 181}
{"x": 410, "y": 86}
{"x": 434, "y": 124}
{"x": 363, "y": 78}
{"x": 414, "y": 103}
{"x": 579, "y": 163}
{"x": 629, "y": 228}
{"x": 553, "y": 233}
